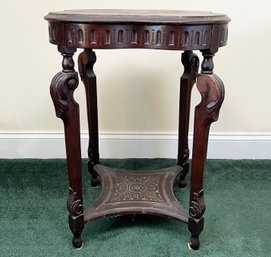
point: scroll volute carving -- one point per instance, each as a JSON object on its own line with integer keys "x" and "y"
{"x": 63, "y": 85}
{"x": 61, "y": 89}
{"x": 197, "y": 205}
{"x": 74, "y": 203}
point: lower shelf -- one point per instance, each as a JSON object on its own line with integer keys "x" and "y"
{"x": 130, "y": 192}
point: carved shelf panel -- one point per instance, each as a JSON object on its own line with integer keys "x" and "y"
{"x": 137, "y": 192}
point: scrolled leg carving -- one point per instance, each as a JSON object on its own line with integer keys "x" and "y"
{"x": 62, "y": 88}
{"x": 86, "y": 62}
{"x": 197, "y": 206}
{"x": 74, "y": 203}
{"x": 211, "y": 89}
{"x": 196, "y": 220}
{"x": 190, "y": 62}
{"x": 76, "y": 217}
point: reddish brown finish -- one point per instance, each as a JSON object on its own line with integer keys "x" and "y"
{"x": 137, "y": 192}
{"x": 190, "y": 62}
{"x": 62, "y": 87}
{"x": 86, "y": 61}
{"x": 211, "y": 89}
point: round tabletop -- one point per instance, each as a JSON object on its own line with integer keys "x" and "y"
{"x": 153, "y": 29}
{"x": 138, "y": 16}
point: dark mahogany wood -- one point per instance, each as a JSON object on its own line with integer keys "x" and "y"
{"x": 62, "y": 87}
{"x": 173, "y": 30}
{"x": 86, "y": 61}
{"x": 191, "y": 63}
{"x": 211, "y": 89}
{"x": 127, "y": 192}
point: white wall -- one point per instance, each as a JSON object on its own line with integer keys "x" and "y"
{"x": 138, "y": 89}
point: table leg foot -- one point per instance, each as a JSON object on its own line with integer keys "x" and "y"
{"x": 194, "y": 242}
{"x": 95, "y": 181}
{"x": 195, "y": 226}
{"x": 182, "y": 183}
{"x": 76, "y": 226}
{"x": 78, "y": 242}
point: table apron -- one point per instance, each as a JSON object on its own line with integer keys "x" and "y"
{"x": 117, "y": 36}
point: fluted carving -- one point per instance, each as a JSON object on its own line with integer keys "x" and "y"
{"x": 136, "y": 36}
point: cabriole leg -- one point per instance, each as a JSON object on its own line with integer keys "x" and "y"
{"x": 86, "y": 62}
{"x": 211, "y": 89}
{"x": 62, "y": 87}
{"x": 190, "y": 62}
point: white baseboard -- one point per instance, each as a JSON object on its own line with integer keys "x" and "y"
{"x": 134, "y": 145}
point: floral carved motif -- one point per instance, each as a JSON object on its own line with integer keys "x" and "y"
{"x": 137, "y": 188}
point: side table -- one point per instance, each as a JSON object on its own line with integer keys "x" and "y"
{"x": 127, "y": 191}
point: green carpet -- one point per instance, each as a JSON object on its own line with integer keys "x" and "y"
{"x": 33, "y": 215}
